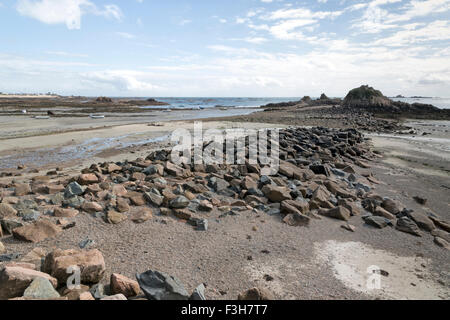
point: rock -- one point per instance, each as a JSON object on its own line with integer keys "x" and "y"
{"x": 91, "y": 207}
{"x": 87, "y": 179}
{"x": 141, "y": 215}
{"x": 339, "y": 212}
{"x": 348, "y": 227}
{"x": 119, "y": 190}
{"x": 36, "y": 232}
{"x": 115, "y": 217}
{"x": 420, "y": 200}
{"x": 153, "y": 198}
{"x": 351, "y": 206}
{"x": 218, "y": 184}
{"x": 90, "y": 263}
{"x": 377, "y": 222}
{"x": 14, "y": 281}
{"x": 422, "y": 221}
{"x": 112, "y": 167}
{"x": 22, "y": 189}
{"x": 8, "y": 225}
{"x": 408, "y": 226}
{"x": 41, "y": 288}
{"x": 256, "y": 294}
{"x": 73, "y": 189}
{"x": 2, "y": 248}
{"x": 159, "y": 286}
{"x": 86, "y": 243}
{"x": 122, "y": 205}
{"x": 296, "y": 220}
{"x": 391, "y": 206}
{"x": 35, "y": 257}
{"x": 9, "y": 257}
{"x": 124, "y": 285}
{"x": 98, "y": 291}
{"x": 7, "y": 211}
{"x": 65, "y": 213}
{"x": 115, "y": 297}
{"x": 198, "y": 294}
{"x": 205, "y": 205}
{"x": 179, "y": 202}
{"x": 444, "y": 225}
{"x": 276, "y": 194}
{"x": 441, "y": 234}
{"x": 442, "y": 243}
{"x": 379, "y": 211}
{"x": 86, "y": 296}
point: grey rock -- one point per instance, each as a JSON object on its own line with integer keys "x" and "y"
{"x": 73, "y": 189}
{"x": 8, "y": 225}
{"x": 153, "y": 198}
{"x": 199, "y": 293}
{"x": 30, "y": 215}
{"x": 86, "y": 243}
{"x": 408, "y": 226}
{"x": 57, "y": 199}
{"x": 218, "y": 184}
{"x": 9, "y": 257}
{"x": 377, "y": 221}
{"x": 99, "y": 291}
{"x": 151, "y": 170}
{"x": 41, "y": 288}
{"x": 338, "y": 172}
{"x": 159, "y": 286}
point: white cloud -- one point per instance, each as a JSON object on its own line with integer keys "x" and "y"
{"x": 65, "y": 11}
{"x": 126, "y": 35}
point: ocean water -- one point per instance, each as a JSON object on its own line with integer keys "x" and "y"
{"x": 189, "y": 103}
{"x": 442, "y": 103}
{"x": 204, "y": 103}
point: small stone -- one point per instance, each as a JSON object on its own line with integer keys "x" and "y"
{"x": 91, "y": 207}
{"x": 205, "y": 205}
{"x": 42, "y": 289}
{"x": 179, "y": 202}
{"x": 408, "y": 226}
{"x": 339, "y": 212}
{"x": 7, "y": 211}
{"x": 153, "y": 198}
{"x": 22, "y": 189}
{"x": 420, "y": 200}
{"x": 73, "y": 189}
{"x": 115, "y": 217}
{"x": 141, "y": 215}
{"x": 124, "y": 285}
{"x": 348, "y": 227}
{"x": 376, "y": 221}
{"x": 2, "y": 248}
{"x": 199, "y": 293}
{"x": 87, "y": 179}
{"x": 36, "y": 232}
{"x": 65, "y": 213}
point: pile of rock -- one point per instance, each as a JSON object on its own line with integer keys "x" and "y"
{"x": 76, "y": 275}
{"x": 317, "y": 178}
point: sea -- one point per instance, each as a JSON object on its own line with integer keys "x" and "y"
{"x": 240, "y": 102}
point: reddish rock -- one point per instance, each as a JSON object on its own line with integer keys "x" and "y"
{"x": 7, "y": 211}
{"x": 112, "y": 167}
{"x": 22, "y": 189}
{"x": 123, "y": 285}
{"x": 115, "y": 217}
{"x": 36, "y": 232}
{"x": 122, "y": 205}
{"x": 339, "y": 212}
{"x": 276, "y": 194}
{"x": 141, "y": 215}
{"x": 14, "y": 281}
{"x": 90, "y": 263}
{"x": 87, "y": 179}
{"x": 119, "y": 190}
{"x": 65, "y": 213}
{"x": 91, "y": 207}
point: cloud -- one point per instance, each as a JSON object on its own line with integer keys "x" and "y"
{"x": 122, "y": 80}
{"x": 68, "y": 12}
{"x": 126, "y": 35}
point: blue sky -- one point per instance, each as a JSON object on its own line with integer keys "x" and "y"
{"x": 224, "y": 48}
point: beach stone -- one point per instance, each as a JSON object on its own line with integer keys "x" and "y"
{"x": 115, "y": 217}
{"x": 22, "y": 189}
{"x": 141, "y": 215}
{"x": 339, "y": 212}
{"x": 159, "y": 286}
{"x": 256, "y": 294}
{"x": 87, "y": 179}
{"x": 41, "y": 288}
{"x": 73, "y": 189}
{"x": 14, "y": 281}
{"x": 408, "y": 226}
{"x": 2, "y": 248}
{"x": 91, "y": 207}
{"x": 276, "y": 194}
{"x": 351, "y": 206}
{"x": 422, "y": 221}
{"x": 119, "y": 190}
{"x": 198, "y": 294}
{"x": 377, "y": 221}
{"x": 124, "y": 285}
{"x": 65, "y": 213}
{"x": 379, "y": 211}
{"x": 440, "y": 223}
{"x": 348, "y": 227}
{"x": 391, "y": 206}
{"x": 8, "y": 225}
{"x": 441, "y": 234}
{"x": 91, "y": 264}
{"x": 442, "y": 243}
{"x": 115, "y": 297}
{"x": 36, "y": 232}
{"x": 35, "y": 257}
{"x": 205, "y": 205}
{"x": 179, "y": 202}
{"x": 153, "y": 198}
{"x": 7, "y": 211}
{"x": 98, "y": 291}
{"x": 86, "y": 296}
{"x": 30, "y": 215}
{"x": 296, "y": 220}
{"x": 112, "y": 167}
{"x": 122, "y": 205}
{"x": 138, "y": 200}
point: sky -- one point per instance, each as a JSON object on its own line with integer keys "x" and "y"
{"x": 218, "y": 48}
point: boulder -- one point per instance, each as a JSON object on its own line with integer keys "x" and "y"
{"x": 124, "y": 285}
{"x": 159, "y": 286}
{"x": 422, "y": 221}
{"x": 73, "y": 189}
{"x": 90, "y": 263}
{"x": 179, "y": 202}
{"x": 36, "y": 232}
{"x": 14, "y": 281}
{"x": 377, "y": 221}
